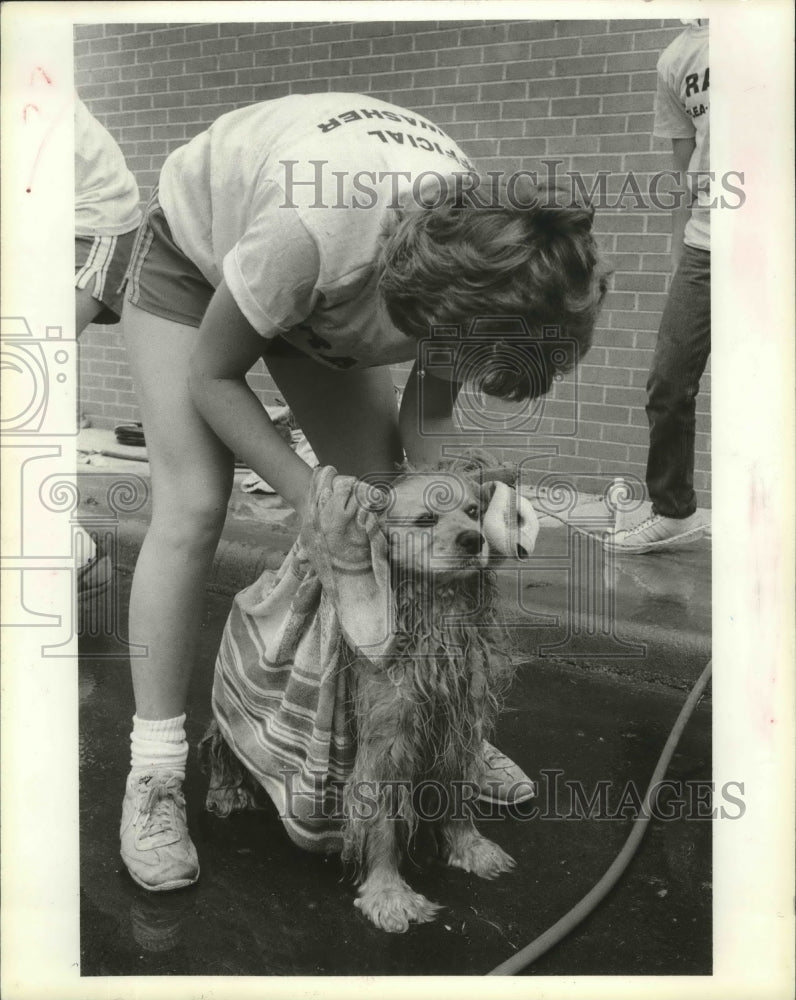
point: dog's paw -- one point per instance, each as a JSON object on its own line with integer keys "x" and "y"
{"x": 482, "y": 857}
{"x": 393, "y": 908}
{"x": 225, "y": 801}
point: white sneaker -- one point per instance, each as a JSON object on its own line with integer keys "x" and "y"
{"x": 657, "y": 533}
{"x": 155, "y": 844}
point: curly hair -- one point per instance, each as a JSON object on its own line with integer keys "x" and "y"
{"x": 530, "y": 257}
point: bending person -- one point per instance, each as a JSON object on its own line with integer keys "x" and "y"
{"x": 321, "y": 233}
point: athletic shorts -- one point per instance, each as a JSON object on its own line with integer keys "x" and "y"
{"x": 100, "y": 268}
{"x": 162, "y": 281}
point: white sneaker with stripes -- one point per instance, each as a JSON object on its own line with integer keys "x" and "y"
{"x": 658, "y": 533}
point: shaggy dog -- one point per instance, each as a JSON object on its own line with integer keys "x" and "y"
{"x": 422, "y": 716}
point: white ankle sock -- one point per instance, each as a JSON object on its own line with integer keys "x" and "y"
{"x": 158, "y": 744}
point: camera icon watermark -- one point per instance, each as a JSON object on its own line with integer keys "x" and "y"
{"x": 37, "y": 373}
{"x": 56, "y": 566}
{"x": 505, "y": 374}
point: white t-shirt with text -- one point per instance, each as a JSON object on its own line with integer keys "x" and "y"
{"x": 682, "y": 111}
{"x": 287, "y": 200}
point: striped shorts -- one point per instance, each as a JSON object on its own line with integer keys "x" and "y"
{"x": 160, "y": 279}
{"x": 100, "y": 266}
{"x": 163, "y": 281}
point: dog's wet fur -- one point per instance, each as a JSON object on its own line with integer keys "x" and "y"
{"x": 421, "y": 715}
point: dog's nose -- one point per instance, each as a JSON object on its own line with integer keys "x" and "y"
{"x": 470, "y": 541}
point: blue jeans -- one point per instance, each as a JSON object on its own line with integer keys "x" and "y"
{"x": 681, "y": 354}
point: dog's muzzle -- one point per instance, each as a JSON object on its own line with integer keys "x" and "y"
{"x": 470, "y": 542}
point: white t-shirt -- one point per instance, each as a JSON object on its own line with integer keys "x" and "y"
{"x": 287, "y": 201}
{"x": 106, "y": 193}
{"x": 682, "y": 111}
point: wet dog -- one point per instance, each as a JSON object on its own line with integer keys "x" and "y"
{"x": 421, "y": 712}
{"x": 422, "y": 716}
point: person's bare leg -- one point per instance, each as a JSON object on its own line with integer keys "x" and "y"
{"x": 350, "y": 418}
{"x": 87, "y": 308}
{"x": 191, "y": 475}
{"x": 191, "y": 482}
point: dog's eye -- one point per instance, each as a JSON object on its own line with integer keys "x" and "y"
{"x": 472, "y": 512}
{"x": 426, "y": 520}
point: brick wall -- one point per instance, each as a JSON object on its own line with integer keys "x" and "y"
{"x": 510, "y": 92}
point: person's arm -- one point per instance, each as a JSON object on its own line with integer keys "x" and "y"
{"x": 681, "y": 213}
{"x": 227, "y": 348}
{"x": 426, "y": 421}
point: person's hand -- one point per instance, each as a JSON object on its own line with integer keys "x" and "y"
{"x": 342, "y": 521}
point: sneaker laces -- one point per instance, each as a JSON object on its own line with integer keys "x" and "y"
{"x": 157, "y": 808}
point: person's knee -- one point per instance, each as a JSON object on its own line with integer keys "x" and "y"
{"x": 670, "y": 392}
{"x": 193, "y": 521}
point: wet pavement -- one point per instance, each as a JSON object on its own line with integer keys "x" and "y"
{"x": 577, "y": 716}
{"x": 606, "y": 647}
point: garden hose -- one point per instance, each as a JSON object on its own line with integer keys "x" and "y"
{"x": 529, "y": 954}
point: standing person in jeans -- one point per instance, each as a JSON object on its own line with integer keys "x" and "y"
{"x": 681, "y": 114}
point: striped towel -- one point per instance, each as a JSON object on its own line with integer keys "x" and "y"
{"x": 281, "y": 694}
